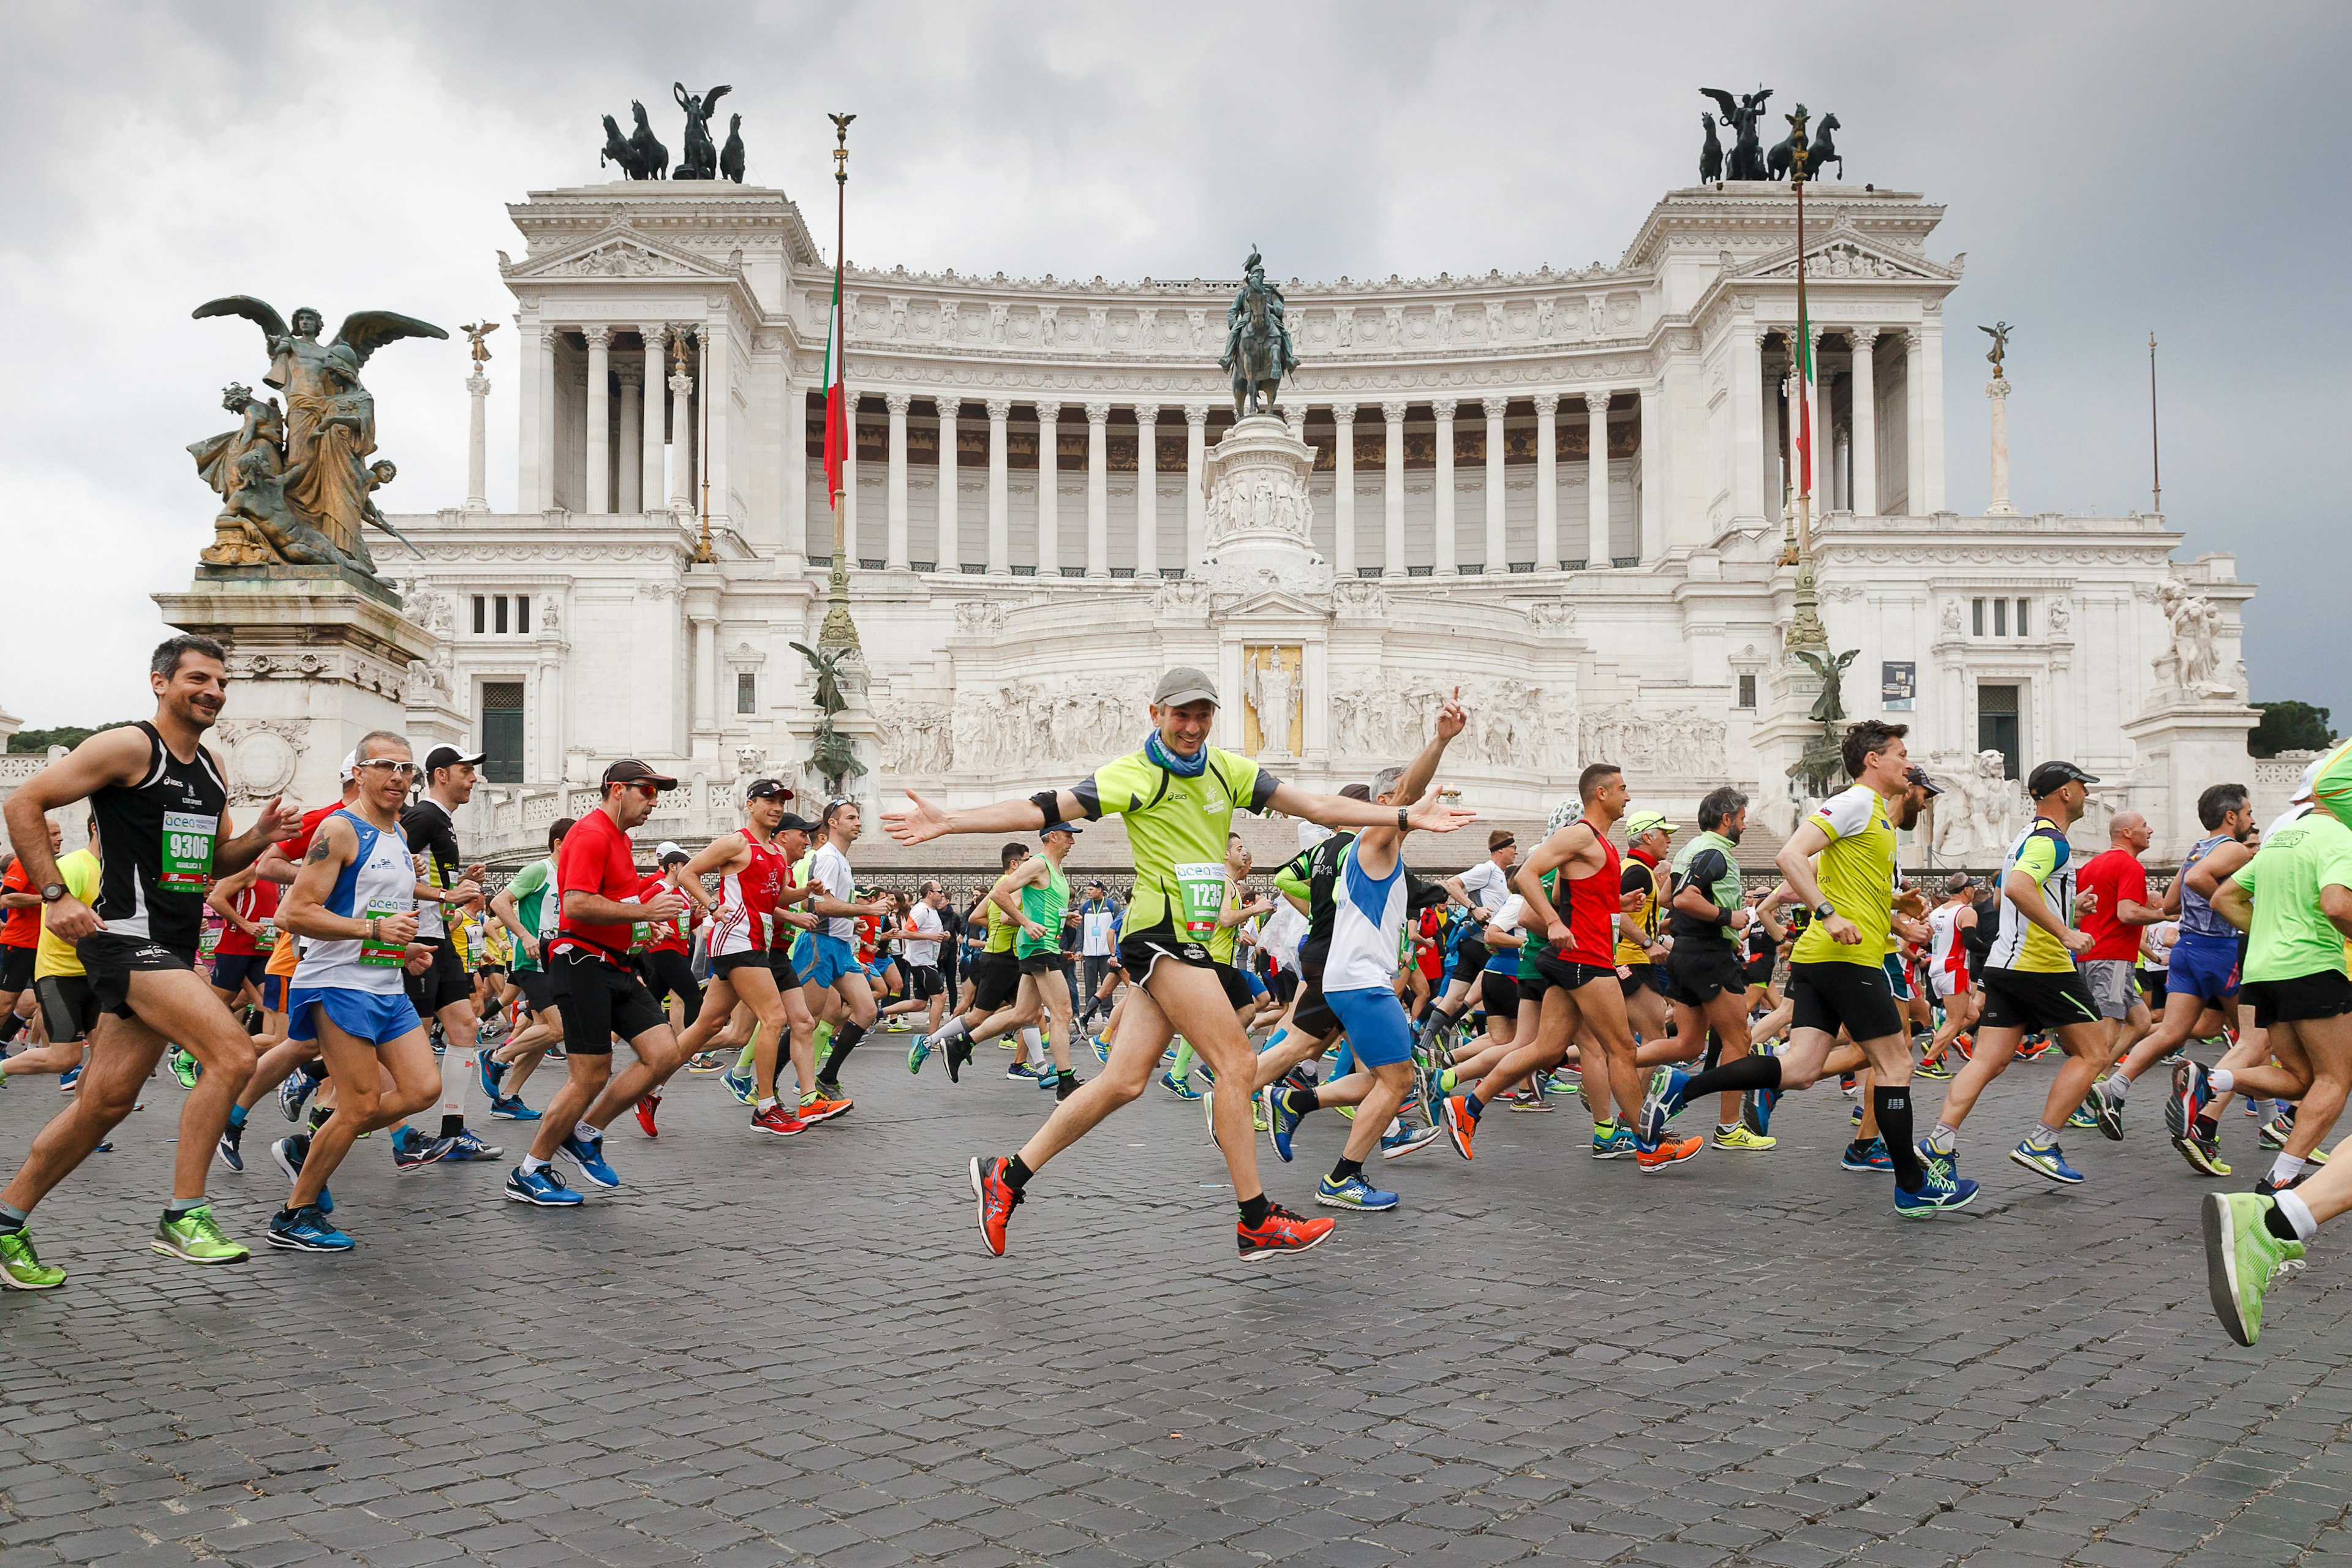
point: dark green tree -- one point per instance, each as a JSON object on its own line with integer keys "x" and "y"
{"x": 66, "y": 735}
{"x": 2290, "y": 727}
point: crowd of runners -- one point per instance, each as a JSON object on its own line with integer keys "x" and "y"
{"x": 349, "y": 966}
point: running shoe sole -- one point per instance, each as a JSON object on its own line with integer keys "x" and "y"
{"x": 2222, "y": 1266}
{"x": 296, "y": 1244}
{"x": 1260, "y": 1255}
{"x": 2063, "y": 1179}
{"x": 1932, "y": 1211}
{"x": 168, "y": 1250}
{"x": 1653, "y": 1166}
{"x": 2198, "y": 1160}
{"x": 1352, "y": 1207}
{"x": 518, "y": 1196}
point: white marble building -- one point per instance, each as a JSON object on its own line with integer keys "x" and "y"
{"x": 1564, "y": 492}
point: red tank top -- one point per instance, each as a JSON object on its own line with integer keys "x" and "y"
{"x": 257, "y": 903}
{"x": 1589, "y": 911}
{"x": 747, "y": 909}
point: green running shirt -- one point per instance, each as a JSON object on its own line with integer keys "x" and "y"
{"x": 1176, "y": 829}
{"x": 1043, "y": 905}
{"x": 2291, "y": 937}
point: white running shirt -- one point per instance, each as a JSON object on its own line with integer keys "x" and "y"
{"x": 829, "y": 870}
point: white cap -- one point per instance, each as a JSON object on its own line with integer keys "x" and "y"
{"x": 2310, "y": 777}
{"x": 667, "y": 848}
{"x": 350, "y": 765}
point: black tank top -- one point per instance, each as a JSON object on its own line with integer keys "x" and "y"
{"x": 1978, "y": 938}
{"x": 155, "y": 839}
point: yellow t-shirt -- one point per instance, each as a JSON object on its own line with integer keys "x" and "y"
{"x": 1857, "y": 877}
{"x": 80, "y": 872}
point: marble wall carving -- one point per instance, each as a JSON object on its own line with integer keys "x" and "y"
{"x": 1679, "y": 741}
{"x": 1511, "y": 723}
{"x": 914, "y": 737}
{"x": 1009, "y": 723}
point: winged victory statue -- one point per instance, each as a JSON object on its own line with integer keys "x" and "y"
{"x": 296, "y": 488}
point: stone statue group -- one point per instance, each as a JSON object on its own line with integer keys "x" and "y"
{"x": 295, "y": 485}
{"x": 642, "y": 156}
{"x": 1747, "y": 159}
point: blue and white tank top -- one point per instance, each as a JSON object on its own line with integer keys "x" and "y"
{"x": 382, "y": 880}
{"x": 2197, "y": 916}
{"x": 1367, "y": 917}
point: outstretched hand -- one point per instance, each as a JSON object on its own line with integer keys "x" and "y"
{"x": 915, "y": 823}
{"x": 1430, "y": 814}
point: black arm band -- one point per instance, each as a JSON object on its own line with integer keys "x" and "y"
{"x": 1049, "y": 803}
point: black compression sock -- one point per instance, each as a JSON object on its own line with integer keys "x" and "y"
{"x": 1299, "y": 1101}
{"x": 1748, "y": 1073}
{"x": 1016, "y": 1175}
{"x": 1892, "y": 1104}
{"x": 1254, "y": 1210}
{"x": 844, "y": 1040}
{"x": 1345, "y": 1169}
{"x": 10, "y": 1026}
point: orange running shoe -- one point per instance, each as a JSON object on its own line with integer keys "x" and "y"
{"x": 646, "y": 1106}
{"x": 997, "y": 1199}
{"x": 1282, "y": 1232}
{"x": 1461, "y": 1127}
{"x": 1665, "y": 1153}
{"x": 778, "y": 1122}
{"x": 823, "y": 1108}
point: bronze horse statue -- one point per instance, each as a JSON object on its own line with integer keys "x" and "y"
{"x": 1710, "y": 153}
{"x": 653, "y": 158}
{"x": 1257, "y": 358}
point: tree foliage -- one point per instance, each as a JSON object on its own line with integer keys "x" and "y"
{"x": 2290, "y": 727}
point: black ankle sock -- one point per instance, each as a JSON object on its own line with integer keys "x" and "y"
{"x": 1254, "y": 1210}
{"x": 1016, "y": 1175}
{"x": 9, "y": 1027}
{"x": 1735, "y": 1078}
{"x": 2208, "y": 1128}
{"x": 844, "y": 1040}
{"x": 1299, "y": 1101}
{"x": 1345, "y": 1169}
{"x": 2274, "y": 1220}
{"x": 1892, "y": 1104}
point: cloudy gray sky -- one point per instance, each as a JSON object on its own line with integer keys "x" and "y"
{"x": 2109, "y": 170}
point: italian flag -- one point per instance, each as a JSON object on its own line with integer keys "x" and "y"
{"x": 837, "y": 422}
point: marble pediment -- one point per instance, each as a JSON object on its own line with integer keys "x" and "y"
{"x": 1845, "y": 253}
{"x": 617, "y": 252}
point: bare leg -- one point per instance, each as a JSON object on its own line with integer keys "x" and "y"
{"x": 360, "y": 1068}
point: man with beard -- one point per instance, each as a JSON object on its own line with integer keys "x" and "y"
{"x": 1707, "y": 976}
{"x": 1837, "y": 976}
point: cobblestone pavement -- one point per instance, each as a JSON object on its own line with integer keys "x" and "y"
{"x": 763, "y": 1352}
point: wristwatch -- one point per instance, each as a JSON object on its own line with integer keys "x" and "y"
{"x": 51, "y": 893}
{"x": 1825, "y": 909}
{"x": 1402, "y": 826}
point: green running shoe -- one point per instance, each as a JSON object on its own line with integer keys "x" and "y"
{"x": 184, "y": 1068}
{"x": 21, "y": 1267}
{"x": 2083, "y": 1119}
{"x": 195, "y": 1238}
{"x": 2241, "y": 1257}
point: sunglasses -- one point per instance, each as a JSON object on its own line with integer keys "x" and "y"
{"x": 389, "y": 769}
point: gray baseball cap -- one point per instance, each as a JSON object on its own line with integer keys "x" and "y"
{"x": 1183, "y": 685}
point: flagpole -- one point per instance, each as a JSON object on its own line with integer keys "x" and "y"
{"x": 2155, "y": 450}
{"x": 1805, "y": 628}
{"x": 839, "y": 631}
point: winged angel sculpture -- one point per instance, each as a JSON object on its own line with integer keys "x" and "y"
{"x": 296, "y": 486}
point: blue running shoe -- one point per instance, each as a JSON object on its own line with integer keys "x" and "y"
{"x": 1616, "y": 1144}
{"x": 542, "y": 1188}
{"x": 468, "y": 1145}
{"x": 739, "y": 1085}
{"x": 1355, "y": 1193}
{"x": 1662, "y": 1103}
{"x": 2083, "y": 1120}
{"x": 1756, "y": 1105}
{"x": 1942, "y": 1189}
{"x": 306, "y": 1230}
{"x": 1281, "y": 1121}
{"x": 1399, "y": 1141}
{"x": 230, "y": 1148}
{"x": 289, "y": 1152}
{"x": 68, "y": 1078}
{"x": 587, "y": 1157}
{"x": 2046, "y": 1161}
{"x": 294, "y": 1092}
{"x": 1177, "y": 1086}
{"x": 1870, "y": 1159}
{"x": 1021, "y": 1069}
{"x": 412, "y": 1151}
{"x": 493, "y": 1075}
{"x": 512, "y": 1109}
{"x": 1102, "y": 1048}
{"x": 919, "y": 1053}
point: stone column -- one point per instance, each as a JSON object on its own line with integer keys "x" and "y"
{"x": 1915, "y": 440}
{"x": 681, "y": 419}
{"x": 1448, "y": 561}
{"x": 1147, "y": 491}
{"x": 849, "y": 478}
{"x": 1497, "y": 551}
{"x": 544, "y": 373}
{"x": 477, "y": 445}
{"x": 1931, "y": 410}
{"x": 1997, "y": 396}
{"x": 1789, "y": 417}
{"x": 1196, "y": 499}
{"x": 1747, "y": 414}
{"x": 1596, "y": 481}
{"x": 599, "y": 492}
{"x": 1392, "y": 490}
{"x": 1822, "y": 425}
{"x": 1652, "y": 466}
{"x": 1098, "y": 489}
{"x": 1000, "y": 491}
{"x": 1343, "y": 491}
{"x": 1865, "y": 421}
{"x": 704, "y": 615}
{"x": 656, "y": 416}
{"x": 947, "y": 557}
{"x": 628, "y": 466}
{"x": 531, "y": 473}
{"x": 1049, "y": 489}
{"x": 1546, "y": 481}
{"x": 897, "y": 404}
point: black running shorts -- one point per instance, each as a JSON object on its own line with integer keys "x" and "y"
{"x": 68, "y": 1007}
{"x": 1831, "y": 995}
{"x": 1500, "y": 992}
{"x": 995, "y": 981}
{"x": 111, "y": 959}
{"x": 2326, "y": 995}
{"x": 1698, "y": 971}
{"x": 673, "y": 975}
{"x": 1047, "y": 962}
{"x": 600, "y": 1000}
{"x": 925, "y": 981}
{"x": 1644, "y": 975}
{"x": 17, "y": 968}
{"x": 1139, "y": 951}
{"x": 2033, "y": 999}
{"x": 537, "y": 988}
{"x": 1570, "y": 975}
{"x": 445, "y": 980}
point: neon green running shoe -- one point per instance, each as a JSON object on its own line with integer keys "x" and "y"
{"x": 183, "y": 1067}
{"x": 195, "y": 1238}
{"x": 1739, "y": 1138}
{"x": 2241, "y": 1257}
{"x": 21, "y": 1267}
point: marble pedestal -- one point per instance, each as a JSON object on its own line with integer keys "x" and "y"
{"x": 317, "y": 656}
{"x": 2186, "y": 741}
{"x": 1783, "y": 732}
{"x": 1258, "y": 524}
